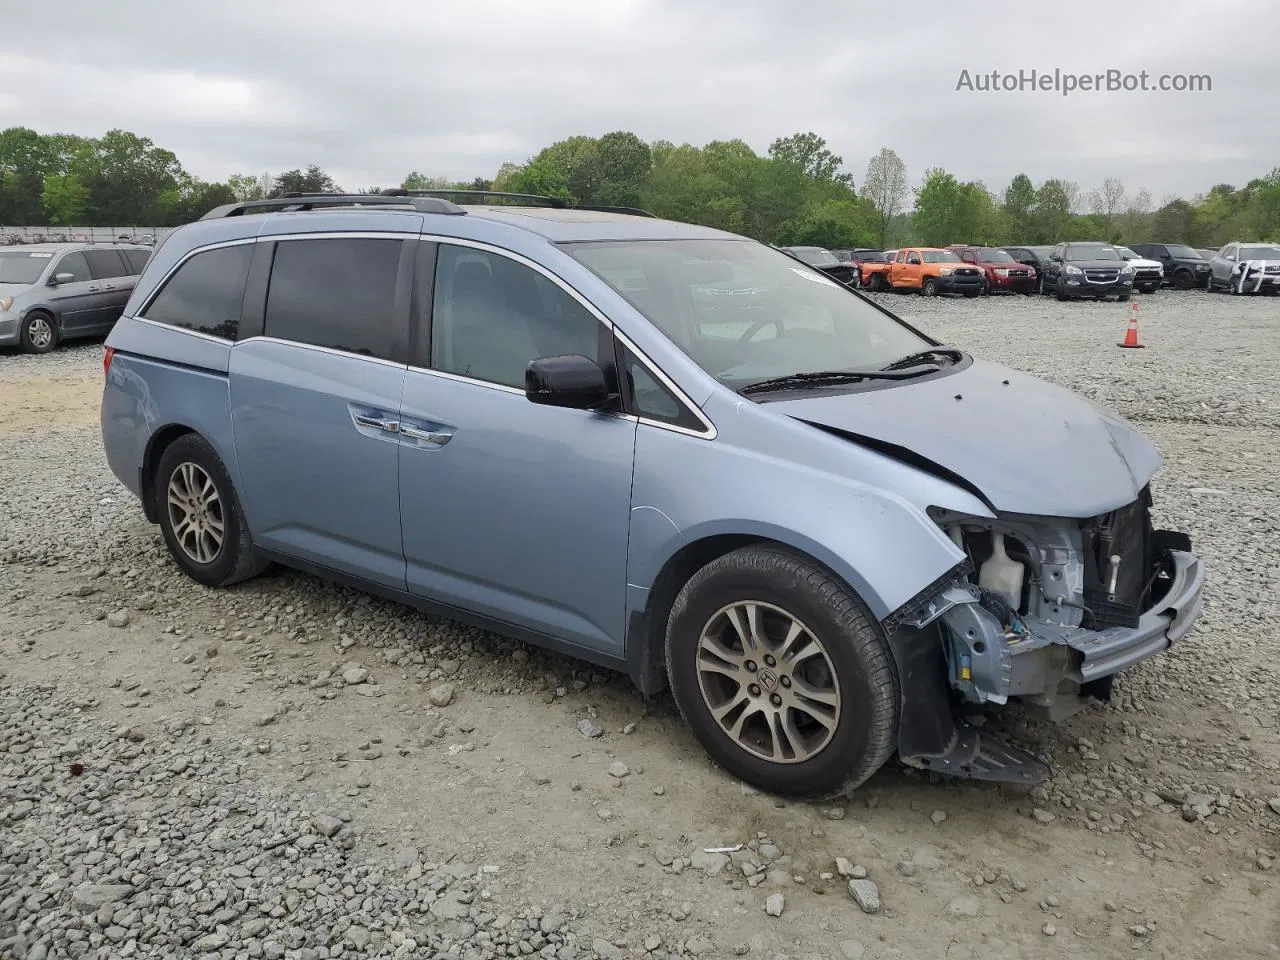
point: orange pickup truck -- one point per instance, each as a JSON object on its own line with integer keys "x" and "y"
{"x": 930, "y": 270}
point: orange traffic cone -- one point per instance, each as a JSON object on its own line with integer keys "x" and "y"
{"x": 1131, "y": 335}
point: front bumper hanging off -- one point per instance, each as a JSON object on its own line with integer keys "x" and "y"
{"x": 951, "y": 642}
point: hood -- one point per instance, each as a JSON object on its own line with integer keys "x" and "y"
{"x": 1027, "y": 447}
{"x": 1144, "y": 262}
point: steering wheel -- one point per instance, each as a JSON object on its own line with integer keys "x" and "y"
{"x": 759, "y": 325}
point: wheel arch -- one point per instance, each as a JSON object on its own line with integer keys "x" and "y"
{"x": 158, "y": 442}
{"x": 646, "y": 625}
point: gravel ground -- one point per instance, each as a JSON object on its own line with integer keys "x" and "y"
{"x": 291, "y": 769}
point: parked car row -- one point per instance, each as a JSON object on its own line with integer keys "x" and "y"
{"x": 1069, "y": 270}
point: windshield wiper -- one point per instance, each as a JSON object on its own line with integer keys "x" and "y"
{"x": 833, "y": 378}
{"x": 913, "y": 359}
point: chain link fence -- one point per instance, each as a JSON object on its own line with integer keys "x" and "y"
{"x": 17, "y": 236}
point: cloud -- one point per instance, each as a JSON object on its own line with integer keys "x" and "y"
{"x": 373, "y": 90}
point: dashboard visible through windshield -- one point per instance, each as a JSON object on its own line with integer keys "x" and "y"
{"x": 745, "y": 312}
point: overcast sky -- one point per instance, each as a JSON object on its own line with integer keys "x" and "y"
{"x": 374, "y": 89}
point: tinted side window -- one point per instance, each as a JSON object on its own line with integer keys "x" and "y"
{"x": 136, "y": 260}
{"x": 75, "y": 264}
{"x": 106, "y": 264}
{"x": 206, "y": 293}
{"x": 647, "y": 397}
{"x": 493, "y": 315}
{"x": 337, "y": 293}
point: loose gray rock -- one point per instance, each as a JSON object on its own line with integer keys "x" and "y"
{"x": 866, "y": 895}
{"x": 605, "y": 950}
{"x": 618, "y": 769}
{"x": 589, "y": 728}
{"x": 773, "y": 904}
{"x": 326, "y": 825}
{"x": 709, "y": 863}
{"x": 852, "y": 949}
{"x": 1274, "y": 804}
{"x": 354, "y": 674}
{"x": 91, "y": 896}
{"x": 906, "y": 868}
{"x": 118, "y": 618}
{"x": 441, "y": 695}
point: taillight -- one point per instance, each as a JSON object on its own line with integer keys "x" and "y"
{"x": 107, "y": 354}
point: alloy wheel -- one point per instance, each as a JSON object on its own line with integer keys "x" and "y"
{"x": 768, "y": 682}
{"x": 195, "y": 512}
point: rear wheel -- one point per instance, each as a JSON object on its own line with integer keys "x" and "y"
{"x": 39, "y": 333}
{"x": 200, "y": 515}
{"x": 782, "y": 673}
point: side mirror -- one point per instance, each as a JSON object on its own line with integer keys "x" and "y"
{"x": 58, "y": 278}
{"x": 571, "y": 381}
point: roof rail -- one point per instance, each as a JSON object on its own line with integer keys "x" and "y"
{"x": 558, "y": 203}
{"x": 289, "y": 202}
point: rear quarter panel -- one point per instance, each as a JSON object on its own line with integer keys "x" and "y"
{"x": 178, "y": 380}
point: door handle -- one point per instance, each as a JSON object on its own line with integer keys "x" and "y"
{"x": 94, "y": 288}
{"x": 108, "y": 286}
{"x": 378, "y": 423}
{"x": 436, "y": 437}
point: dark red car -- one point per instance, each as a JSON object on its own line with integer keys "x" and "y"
{"x": 1002, "y": 273}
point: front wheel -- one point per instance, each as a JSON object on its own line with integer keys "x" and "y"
{"x": 1122, "y": 297}
{"x": 200, "y": 515}
{"x": 930, "y": 288}
{"x": 1061, "y": 294}
{"x": 39, "y": 332}
{"x": 782, "y": 673}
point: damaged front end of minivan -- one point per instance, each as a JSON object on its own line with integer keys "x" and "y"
{"x": 1044, "y": 611}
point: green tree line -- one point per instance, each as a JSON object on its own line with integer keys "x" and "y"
{"x": 797, "y": 192}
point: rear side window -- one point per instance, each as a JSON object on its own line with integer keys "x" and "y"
{"x": 206, "y": 294}
{"x": 136, "y": 260}
{"x": 106, "y": 264}
{"x": 337, "y": 293}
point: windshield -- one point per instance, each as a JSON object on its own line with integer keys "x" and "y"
{"x": 871, "y": 256}
{"x": 1128, "y": 254}
{"x": 23, "y": 267}
{"x": 941, "y": 256}
{"x": 745, "y": 312}
{"x": 1182, "y": 253}
{"x": 1093, "y": 251}
{"x": 815, "y": 255}
{"x": 992, "y": 255}
{"x": 1258, "y": 252}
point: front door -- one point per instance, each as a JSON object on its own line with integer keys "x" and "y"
{"x": 511, "y": 509}
{"x": 77, "y": 301}
{"x": 315, "y": 402}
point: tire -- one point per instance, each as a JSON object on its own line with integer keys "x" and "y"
{"x": 1208, "y": 285}
{"x": 39, "y": 332}
{"x": 1059, "y": 292}
{"x": 1146, "y": 290}
{"x": 985, "y": 289}
{"x": 1122, "y": 297}
{"x": 970, "y": 294}
{"x": 187, "y": 464}
{"x": 851, "y": 662}
{"x": 1184, "y": 280}
{"x": 930, "y": 287}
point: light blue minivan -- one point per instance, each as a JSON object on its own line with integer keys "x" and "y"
{"x": 659, "y": 447}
